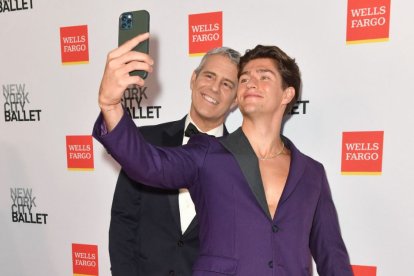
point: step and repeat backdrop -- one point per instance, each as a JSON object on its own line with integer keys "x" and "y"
{"x": 355, "y": 116}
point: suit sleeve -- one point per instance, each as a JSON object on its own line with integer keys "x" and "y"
{"x": 326, "y": 244}
{"x": 167, "y": 168}
{"x": 123, "y": 228}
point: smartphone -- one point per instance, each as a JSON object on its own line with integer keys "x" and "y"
{"x": 132, "y": 24}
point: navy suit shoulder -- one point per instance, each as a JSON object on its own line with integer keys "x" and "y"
{"x": 155, "y": 134}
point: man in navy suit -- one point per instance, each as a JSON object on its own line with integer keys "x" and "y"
{"x": 264, "y": 208}
{"x": 154, "y": 232}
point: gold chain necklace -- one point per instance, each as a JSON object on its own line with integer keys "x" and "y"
{"x": 273, "y": 156}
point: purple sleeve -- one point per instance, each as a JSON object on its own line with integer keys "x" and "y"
{"x": 169, "y": 168}
{"x": 326, "y": 243}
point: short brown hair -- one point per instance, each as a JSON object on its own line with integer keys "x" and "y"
{"x": 287, "y": 67}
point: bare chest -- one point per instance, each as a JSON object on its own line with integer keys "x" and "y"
{"x": 274, "y": 175}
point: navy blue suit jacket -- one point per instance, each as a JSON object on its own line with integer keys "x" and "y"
{"x": 145, "y": 236}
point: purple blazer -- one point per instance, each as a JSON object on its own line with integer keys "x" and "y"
{"x": 237, "y": 233}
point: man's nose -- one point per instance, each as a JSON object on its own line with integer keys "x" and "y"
{"x": 251, "y": 83}
{"x": 216, "y": 86}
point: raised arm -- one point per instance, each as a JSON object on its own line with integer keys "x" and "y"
{"x": 168, "y": 168}
{"x": 116, "y": 78}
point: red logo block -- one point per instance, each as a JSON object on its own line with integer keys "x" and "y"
{"x": 360, "y": 270}
{"x": 79, "y": 152}
{"x": 362, "y": 152}
{"x": 74, "y": 44}
{"x": 368, "y": 21}
{"x": 205, "y": 31}
{"x": 85, "y": 259}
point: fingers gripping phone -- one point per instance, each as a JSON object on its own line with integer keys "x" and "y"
{"x": 132, "y": 24}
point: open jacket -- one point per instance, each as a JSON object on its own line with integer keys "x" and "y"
{"x": 237, "y": 233}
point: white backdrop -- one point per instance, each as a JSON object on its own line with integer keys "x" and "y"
{"x": 361, "y": 87}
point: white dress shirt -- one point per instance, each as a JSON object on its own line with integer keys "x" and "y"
{"x": 186, "y": 205}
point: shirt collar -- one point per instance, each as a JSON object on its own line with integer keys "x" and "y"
{"x": 217, "y": 132}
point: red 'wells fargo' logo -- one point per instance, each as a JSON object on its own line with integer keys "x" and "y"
{"x": 368, "y": 21}
{"x": 85, "y": 259}
{"x": 74, "y": 44}
{"x": 360, "y": 270}
{"x": 79, "y": 151}
{"x": 362, "y": 152}
{"x": 205, "y": 31}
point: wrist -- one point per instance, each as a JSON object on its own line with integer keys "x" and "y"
{"x": 112, "y": 114}
{"x": 108, "y": 107}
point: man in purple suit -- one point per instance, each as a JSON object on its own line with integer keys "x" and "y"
{"x": 264, "y": 208}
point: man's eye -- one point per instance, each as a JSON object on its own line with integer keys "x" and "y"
{"x": 243, "y": 80}
{"x": 228, "y": 85}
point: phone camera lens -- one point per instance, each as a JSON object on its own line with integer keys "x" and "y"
{"x": 126, "y": 21}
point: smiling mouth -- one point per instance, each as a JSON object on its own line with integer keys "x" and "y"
{"x": 210, "y": 99}
{"x": 252, "y": 96}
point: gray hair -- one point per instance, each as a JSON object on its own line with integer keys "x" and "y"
{"x": 231, "y": 54}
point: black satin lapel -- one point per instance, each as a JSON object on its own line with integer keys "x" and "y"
{"x": 191, "y": 227}
{"x": 296, "y": 170}
{"x": 241, "y": 149}
{"x": 175, "y": 210}
{"x": 173, "y": 136}
{"x": 225, "y": 131}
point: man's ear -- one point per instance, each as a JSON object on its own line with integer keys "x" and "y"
{"x": 288, "y": 95}
{"x": 192, "y": 80}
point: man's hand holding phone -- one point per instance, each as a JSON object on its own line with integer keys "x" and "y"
{"x": 116, "y": 78}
